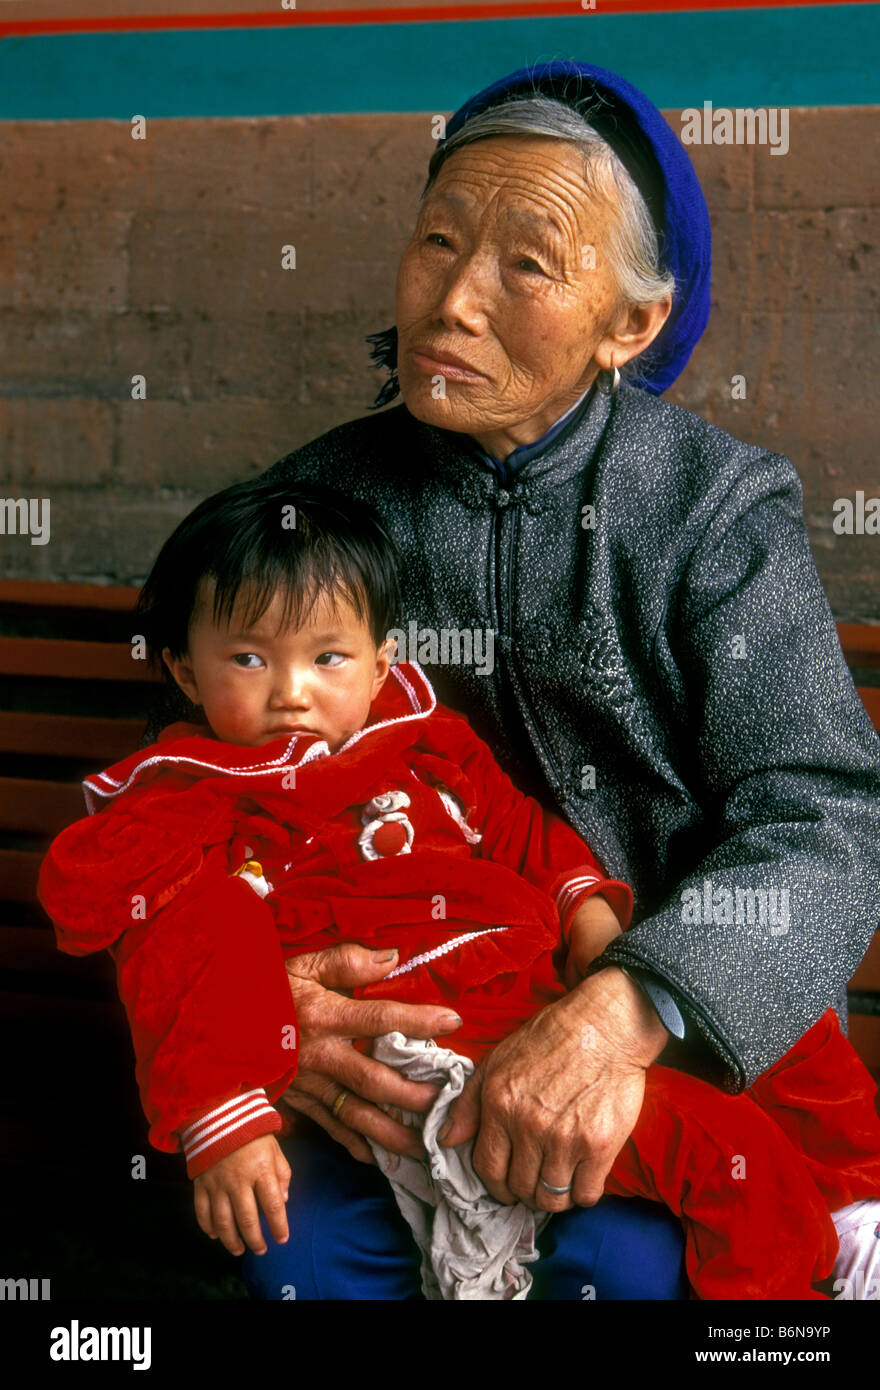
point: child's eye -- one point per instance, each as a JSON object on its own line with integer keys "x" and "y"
{"x": 249, "y": 660}
{"x": 329, "y": 659}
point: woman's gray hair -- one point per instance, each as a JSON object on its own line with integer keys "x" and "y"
{"x": 632, "y": 245}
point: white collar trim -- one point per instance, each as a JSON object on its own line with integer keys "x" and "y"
{"x": 103, "y": 785}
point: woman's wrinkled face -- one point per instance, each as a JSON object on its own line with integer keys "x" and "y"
{"x": 504, "y": 293}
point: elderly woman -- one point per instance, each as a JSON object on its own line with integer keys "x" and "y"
{"x": 665, "y": 671}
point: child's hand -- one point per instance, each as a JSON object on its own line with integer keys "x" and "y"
{"x": 226, "y": 1196}
{"x": 593, "y": 927}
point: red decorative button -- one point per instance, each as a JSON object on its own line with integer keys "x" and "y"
{"x": 389, "y": 838}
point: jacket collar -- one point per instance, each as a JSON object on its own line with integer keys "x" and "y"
{"x": 403, "y": 704}
{"x": 509, "y": 467}
{"x": 567, "y": 453}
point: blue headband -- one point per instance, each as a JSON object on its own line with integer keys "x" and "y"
{"x": 663, "y": 173}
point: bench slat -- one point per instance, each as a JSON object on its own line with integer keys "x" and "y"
{"x": 871, "y": 700}
{"x": 39, "y": 808}
{"x": 50, "y": 597}
{"x": 864, "y": 1034}
{"x": 48, "y": 656}
{"x": 860, "y": 643}
{"x": 867, "y": 977}
{"x": 100, "y": 740}
{"x": 30, "y": 962}
{"x": 33, "y": 950}
{"x": 19, "y": 870}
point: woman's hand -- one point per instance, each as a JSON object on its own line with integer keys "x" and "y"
{"x": 328, "y": 1064}
{"x": 559, "y": 1098}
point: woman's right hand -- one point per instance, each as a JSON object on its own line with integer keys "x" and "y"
{"x": 328, "y": 1021}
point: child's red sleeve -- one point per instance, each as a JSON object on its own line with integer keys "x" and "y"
{"x": 126, "y": 861}
{"x": 199, "y": 967}
{"x": 212, "y": 1017}
{"x": 518, "y": 832}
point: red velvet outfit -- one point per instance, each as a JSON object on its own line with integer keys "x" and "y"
{"x": 411, "y": 835}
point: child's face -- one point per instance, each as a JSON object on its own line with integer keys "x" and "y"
{"x": 264, "y": 681}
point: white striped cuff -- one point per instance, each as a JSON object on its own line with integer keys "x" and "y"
{"x": 223, "y": 1120}
{"x": 571, "y": 891}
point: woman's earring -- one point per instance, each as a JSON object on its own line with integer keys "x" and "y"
{"x": 613, "y": 389}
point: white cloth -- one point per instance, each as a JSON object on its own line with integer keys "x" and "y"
{"x": 858, "y": 1260}
{"x": 472, "y": 1246}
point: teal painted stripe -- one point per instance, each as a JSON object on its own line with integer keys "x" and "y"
{"x": 826, "y": 55}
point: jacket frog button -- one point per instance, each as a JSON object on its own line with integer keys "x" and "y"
{"x": 387, "y": 828}
{"x": 389, "y": 838}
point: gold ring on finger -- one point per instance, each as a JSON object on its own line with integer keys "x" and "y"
{"x": 338, "y": 1103}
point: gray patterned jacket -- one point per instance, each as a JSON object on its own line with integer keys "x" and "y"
{"x": 668, "y": 677}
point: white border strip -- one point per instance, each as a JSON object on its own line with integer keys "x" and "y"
{"x": 440, "y": 951}
{"x": 92, "y": 786}
{"x": 223, "y": 1120}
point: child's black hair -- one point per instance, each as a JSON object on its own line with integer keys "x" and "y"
{"x": 258, "y": 538}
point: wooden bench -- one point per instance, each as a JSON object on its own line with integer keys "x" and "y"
{"x": 72, "y": 700}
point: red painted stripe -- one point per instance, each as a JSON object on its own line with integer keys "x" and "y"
{"x": 411, "y": 14}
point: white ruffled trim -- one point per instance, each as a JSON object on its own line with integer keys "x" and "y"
{"x": 103, "y": 785}
{"x": 441, "y": 950}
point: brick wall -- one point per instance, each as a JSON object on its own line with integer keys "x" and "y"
{"x": 162, "y": 257}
